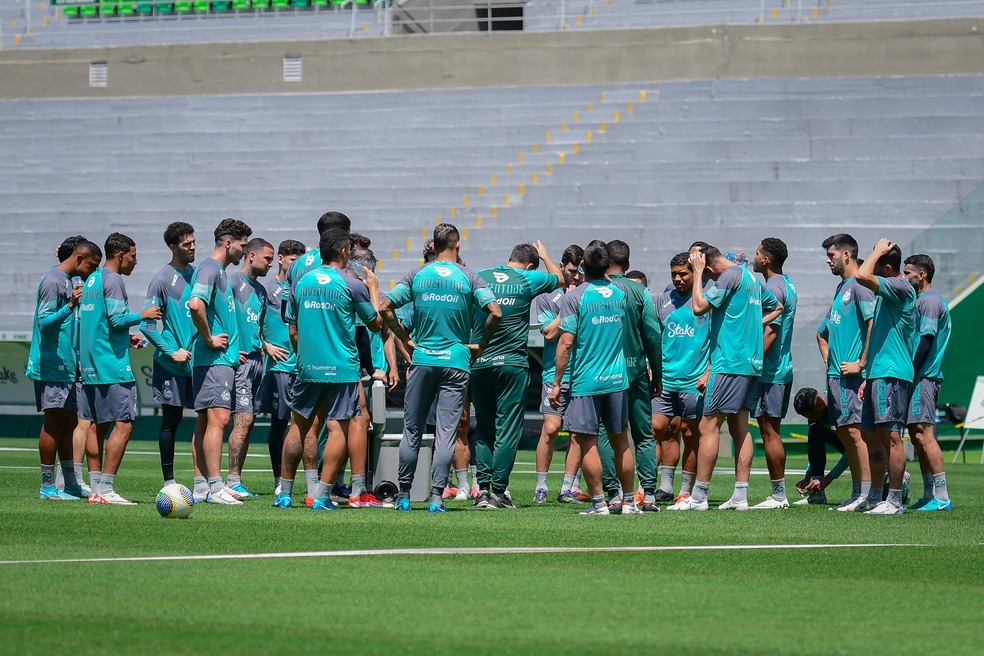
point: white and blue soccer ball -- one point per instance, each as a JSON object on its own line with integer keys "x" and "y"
{"x": 175, "y": 501}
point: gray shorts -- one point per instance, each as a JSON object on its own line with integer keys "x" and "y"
{"x": 565, "y": 400}
{"x": 886, "y": 404}
{"x": 248, "y": 378}
{"x": 686, "y": 405}
{"x": 276, "y": 394}
{"x": 103, "y": 404}
{"x": 585, "y": 414}
{"x": 214, "y": 387}
{"x": 50, "y": 395}
{"x": 843, "y": 404}
{"x": 922, "y": 407}
{"x": 725, "y": 394}
{"x": 172, "y": 389}
{"x": 768, "y": 399}
{"x": 341, "y": 399}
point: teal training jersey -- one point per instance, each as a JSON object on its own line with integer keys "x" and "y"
{"x": 594, "y": 312}
{"x": 170, "y": 290}
{"x": 641, "y": 329}
{"x": 53, "y": 355}
{"x": 275, "y": 331}
{"x": 686, "y": 346}
{"x": 324, "y": 306}
{"x": 305, "y": 263}
{"x": 378, "y": 348}
{"x": 893, "y": 331}
{"x": 211, "y": 285}
{"x": 251, "y": 305}
{"x": 736, "y": 323}
{"x": 844, "y": 326}
{"x": 546, "y": 308}
{"x": 933, "y": 318}
{"x": 443, "y": 295}
{"x": 104, "y": 330}
{"x": 777, "y": 364}
{"x": 514, "y": 291}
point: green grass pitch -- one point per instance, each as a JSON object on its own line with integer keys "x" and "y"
{"x": 898, "y": 600}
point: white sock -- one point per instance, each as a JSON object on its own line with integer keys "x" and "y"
{"x": 462, "y": 476}
{"x": 666, "y": 476}
{"x": 95, "y": 478}
{"x": 541, "y": 480}
{"x": 741, "y": 492}
{"x": 107, "y": 483}
{"x": 311, "y": 478}
{"x": 939, "y": 487}
{"x": 687, "y": 482}
{"x": 779, "y": 489}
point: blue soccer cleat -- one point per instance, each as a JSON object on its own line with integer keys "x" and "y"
{"x": 937, "y": 504}
{"x": 240, "y": 492}
{"x": 283, "y": 501}
{"x": 323, "y": 503}
{"x": 77, "y": 491}
{"x": 436, "y": 507}
{"x": 52, "y": 493}
{"x": 918, "y": 504}
{"x": 402, "y": 503}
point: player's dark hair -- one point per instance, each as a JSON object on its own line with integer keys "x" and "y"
{"x": 805, "y": 401}
{"x": 89, "y": 249}
{"x": 258, "y": 244}
{"x": 572, "y": 255}
{"x": 699, "y": 245}
{"x": 118, "y": 243}
{"x": 359, "y": 241}
{"x": 842, "y": 242}
{"x": 428, "y": 251}
{"x": 175, "y": 231}
{"x": 362, "y": 257}
{"x": 892, "y": 258}
{"x": 776, "y": 249}
{"x": 232, "y": 228}
{"x": 68, "y": 247}
{"x": 330, "y": 220}
{"x": 525, "y": 254}
{"x": 636, "y": 274}
{"x": 291, "y": 247}
{"x": 711, "y": 254}
{"x": 332, "y": 242}
{"x": 445, "y": 237}
{"x": 923, "y": 262}
{"x": 681, "y": 259}
{"x": 618, "y": 253}
{"x": 596, "y": 259}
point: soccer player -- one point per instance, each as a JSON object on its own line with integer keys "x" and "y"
{"x": 53, "y": 366}
{"x": 281, "y": 361}
{"x": 251, "y": 305}
{"x": 591, "y": 318}
{"x": 638, "y": 276}
{"x": 736, "y": 303}
{"x": 821, "y": 431}
{"x": 685, "y": 354}
{"x": 321, "y": 315}
{"x": 108, "y": 384}
{"x": 888, "y": 389}
{"x": 546, "y": 309}
{"x": 932, "y": 336}
{"x": 641, "y": 346}
{"x": 443, "y": 294}
{"x": 500, "y": 375}
{"x": 843, "y": 338}
{"x": 769, "y": 395}
{"x": 215, "y": 357}
{"x": 170, "y": 290}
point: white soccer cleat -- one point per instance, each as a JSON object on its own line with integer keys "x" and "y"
{"x": 731, "y": 504}
{"x": 689, "y": 504}
{"x": 462, "y": 494}
{"x": 223, "y": 497}
{"x": 115, "y": 499}
{"x": 857, "y": 505}
{"x": 631, "y": 509}
{"x": 886, "y": 508}
{"x": 771, "y": 503}
{"x": 199, "y": 497}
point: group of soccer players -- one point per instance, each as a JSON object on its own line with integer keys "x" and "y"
{"x": 628, "y": 377}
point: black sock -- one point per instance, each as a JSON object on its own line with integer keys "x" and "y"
{"x": 170, "y": 420}
{"x": 278, "y": 430}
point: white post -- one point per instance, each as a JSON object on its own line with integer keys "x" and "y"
{"x": 563, "y": 14}
{"x": 799, "y": 11}
{"x": 352, "y": 26}
{"x": 388, "y": 18}
{"x": 27, "y": 15}
{"x": 762, "y": 12}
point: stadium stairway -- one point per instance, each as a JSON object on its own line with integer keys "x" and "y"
{"x": 727, "y": 161}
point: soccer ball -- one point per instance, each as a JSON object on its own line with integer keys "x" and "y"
{"x": 175, "y": 501}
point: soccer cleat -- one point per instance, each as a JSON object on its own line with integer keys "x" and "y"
{"x": 223, "y": 498}
{"x": 905, "y": 487}
{"x": 402, "y": 503}
{"x": 462, "y": 495}
{"x": 853, "y": 505}
{"x": 52, "y": 493}
{"x": 340, "y": 492}
{"x": 76, "y": 491}
{"x": 631, "y": 509}
{"x": 817, "y": 498}
{"x": 639, "y": 496}
{"x": 581, "y": 496}
{"x": 731, "y": 504}
{"x": 483, "y": 500}
{"x": 283, "y": 501}
{"x": 567, "y": 496}
{"x": 596, "y": 510}
{"x": 199, "y": 497}
{"x": 449, "y": 491}
{"x": 615, "y": 505}
{"x": 117, "y": 500}
{"x": 86, "y": 490}
{"x": 689, "y": 504}
{"x": 540, "y": 496}
{"x": 662, "y": 495}
{"x": 886, "y": 508}
{"x": 771, "y": 503}
{"x": 680, "y": 497}
{"x": 309, "y": 501}
{"x": 936, "y": 504}
{"x": 277, "y": 490}
{"x": 475, "y": 491}
{"x": 436, "y": 507}
{"x": 501, "y": 501}
{"x": 240, "y": 492}
{"x": 324, "y": 503}
{"x": 919, "y": 504}
{"x": 367, "y": 500}
{"x": 96, "y": 498}
{"x": 649, "y": 504}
